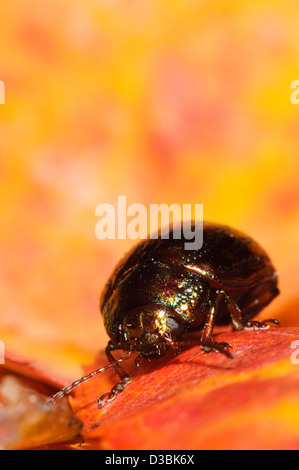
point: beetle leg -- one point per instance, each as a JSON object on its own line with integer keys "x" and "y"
{"x": 138, "y": 360}
{"x": 234, "y": 310}
{"x": 123, "y": 375}
{"x": 176, "y": 349}
{"x": 207, "y": 332}
{"x": 237, "y": 320}
{"x": 206, "y": 340}
{"x": 258, "y": 325}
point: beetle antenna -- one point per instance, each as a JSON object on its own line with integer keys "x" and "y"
{"x": 66, "y": 390}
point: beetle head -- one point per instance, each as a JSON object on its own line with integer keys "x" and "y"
{"x": 152, "y": 329}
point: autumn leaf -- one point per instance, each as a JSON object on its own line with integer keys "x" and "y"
{"x": 197, "y": 400}
{"x": 200, "y": 400}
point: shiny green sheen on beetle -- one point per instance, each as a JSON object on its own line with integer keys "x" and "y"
{"x": 159, "y": 291}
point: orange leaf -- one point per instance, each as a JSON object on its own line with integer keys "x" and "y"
{"x": 29, "y": 368}
{"x": 200, "y": 400}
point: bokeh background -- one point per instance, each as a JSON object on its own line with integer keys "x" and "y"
{"x": 161, "y": 101}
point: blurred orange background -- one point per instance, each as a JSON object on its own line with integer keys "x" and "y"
{"x": 161, "y": 101}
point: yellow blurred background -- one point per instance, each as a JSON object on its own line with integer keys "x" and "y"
{"x": 161, "y": 101}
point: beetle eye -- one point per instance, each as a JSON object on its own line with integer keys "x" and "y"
{"x": 173, "y": 325}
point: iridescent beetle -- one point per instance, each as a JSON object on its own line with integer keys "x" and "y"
{"x": 160, "y": 290}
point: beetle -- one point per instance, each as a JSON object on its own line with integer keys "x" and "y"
{"x": 159, "y": 291}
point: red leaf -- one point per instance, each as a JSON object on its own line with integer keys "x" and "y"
{"x": 200, "y": 400}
